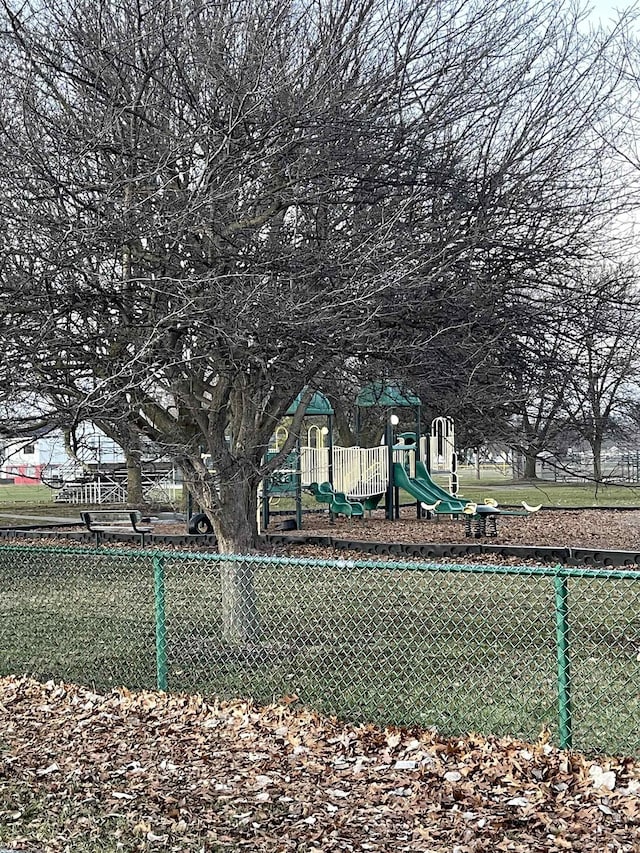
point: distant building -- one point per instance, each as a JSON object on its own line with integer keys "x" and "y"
{"x": 42, "y": 456}
{"x": 22, "y": 463}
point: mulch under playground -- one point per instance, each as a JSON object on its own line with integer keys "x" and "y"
{"x": 581, "y": 528}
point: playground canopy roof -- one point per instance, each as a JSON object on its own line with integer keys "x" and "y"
{"x": 318, "y": 405}
{"x": 386, "y": 396}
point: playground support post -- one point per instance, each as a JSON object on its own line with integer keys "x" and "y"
{"x": 454, "y": 482}
{"x": 265, "y": 504}
{"x": 298, "y": 480}
{"x": 330, "y": 448}
{"x": 392, "y": 421}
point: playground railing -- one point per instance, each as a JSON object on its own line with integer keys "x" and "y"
{"x": 360, "y": 471}
{"x": 314, "y": 465}
{"x": 492, "y": 649}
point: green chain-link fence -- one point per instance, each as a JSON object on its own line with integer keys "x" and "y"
{"x": 491, "y": 649}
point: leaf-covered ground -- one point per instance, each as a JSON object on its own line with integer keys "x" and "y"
{"x": 588, "y": 528}
{"x": 80, "y": 771}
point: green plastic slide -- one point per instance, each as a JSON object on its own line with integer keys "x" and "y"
{"x": 424, "y": 478}
{"x": 446, "y": 505}
{"x": 338, "y": 502}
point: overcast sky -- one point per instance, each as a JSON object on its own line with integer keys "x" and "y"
{"x": 606, "y": 11}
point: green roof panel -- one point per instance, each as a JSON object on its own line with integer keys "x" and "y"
{"x": 318, "y": 405}
{"x": 386, "y": 396}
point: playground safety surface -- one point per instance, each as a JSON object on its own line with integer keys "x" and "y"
{"x": 588, "y": 528}
{"x": 574, "y": 537}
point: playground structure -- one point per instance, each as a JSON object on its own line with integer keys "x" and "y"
{"x": 353, "y": 480}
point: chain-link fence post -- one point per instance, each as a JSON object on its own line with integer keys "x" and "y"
{"x": 161, "y": 623}
{"x": 562, "y": 653}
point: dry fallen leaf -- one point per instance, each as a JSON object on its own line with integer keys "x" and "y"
{"x": 180, "y": 774}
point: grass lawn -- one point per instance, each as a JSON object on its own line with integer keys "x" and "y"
{"x": 503, "y": 490}
{"x": 26, "y": 495}
{"x": 549, "y": 493}
{"x": 457, "y": 651}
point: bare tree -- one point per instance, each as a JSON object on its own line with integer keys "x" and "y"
{"x": 539, "y": 372}
{"x": 604, "y": 346}
{"x": 208, "y": 208}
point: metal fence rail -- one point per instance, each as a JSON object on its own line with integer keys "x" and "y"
{"x": 491, "y": 649}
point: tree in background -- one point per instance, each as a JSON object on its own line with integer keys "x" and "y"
{"x": 603, "y": 345}
{"x": 538, "y": 372}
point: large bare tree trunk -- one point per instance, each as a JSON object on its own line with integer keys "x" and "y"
{"x": 240, "y": 619}
{"x": 134, "y": 479}
{"x": 530, "y": 465}
{"x": 235, "y": 523}
{"x": 236, "y": 531}
{"x": 596, "y": 449}
{"x": 235, "y": 526}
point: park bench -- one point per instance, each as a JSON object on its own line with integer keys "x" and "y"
{"x": 100, "y": 521}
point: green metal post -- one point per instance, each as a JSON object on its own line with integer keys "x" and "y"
{"x": 562, "y": 652}
{"x": 390, "y": 483}
{"x": 161, "y": 623}
{"x": 265, "y": 503}
{"x": 330, "y": 451}
{"x": 298, "y": 483}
